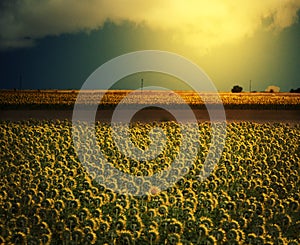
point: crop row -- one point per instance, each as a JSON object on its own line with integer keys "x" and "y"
{"x": 33, "y": 99}
{"x": 48, "y": 197}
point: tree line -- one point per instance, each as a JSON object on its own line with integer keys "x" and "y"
{"x": 239, "y": 89}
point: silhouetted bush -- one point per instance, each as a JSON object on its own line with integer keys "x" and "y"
{"x": 236, "y": 89}
{"x": 295, "y": 90}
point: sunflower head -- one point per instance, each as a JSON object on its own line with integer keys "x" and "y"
{"x": 154, "y": 190}
{"x": 125, "y": 237}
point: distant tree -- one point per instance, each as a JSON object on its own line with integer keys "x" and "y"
{"x": 272, "y": 89}
{"x": 236, "y": 89}
{"x": 297, "y": 90}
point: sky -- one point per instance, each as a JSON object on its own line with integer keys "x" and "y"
{"x": 57, "y": 44}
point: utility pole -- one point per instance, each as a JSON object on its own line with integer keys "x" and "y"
{"x": 20, "y": 81}
{"x": 142, "y": 84}
{"x": 250, "y": 86}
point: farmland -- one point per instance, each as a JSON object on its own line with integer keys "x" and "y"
{"x": 251, "y": 197}
{"x": 51, "y": 99}
{"x": 48, "y": 197}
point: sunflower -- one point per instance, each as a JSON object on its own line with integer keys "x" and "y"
{"x": 77, "y": 236}
{"x": 154, "y": 190}
{"x": 104, "y": 226}
{"x": 219, "y": 235}
{"x": 66, "y": 235}
{"x": 202, "y": 230}
{"x": 293, "y": 205}
{"x": 21, "y": 221}
{"x": 209, "y": 240}
{"x": 173, "y": 239}
{"x": 46, "y": 239}
{"x": 82, "y": 214}
{"x": 120, "y": 224}
{"x": 242, "y": 222}
{"x": 232, "y": 235}
{"x": 90, "y": 237}
{"x": 132, "y": 211}
{"x": 152, "y": 236}
{"x": 124, "y": 237}
{"x": 207, "y": 222}
{"x": 293, "y": 242}
{"x": 111, "y": 195}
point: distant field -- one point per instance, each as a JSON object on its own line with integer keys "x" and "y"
{"x": 65, "y": 99}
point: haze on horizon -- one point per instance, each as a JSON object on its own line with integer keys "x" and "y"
{"x": 58, "y": 44}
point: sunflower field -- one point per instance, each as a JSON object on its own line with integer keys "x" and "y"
{"x": 251, "y": 197}
{"x": 51, "y": 99}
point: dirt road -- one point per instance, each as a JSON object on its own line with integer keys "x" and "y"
{"x": 261, "y": 116}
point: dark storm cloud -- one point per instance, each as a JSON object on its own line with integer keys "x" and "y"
{"x": 198, "y": 23}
